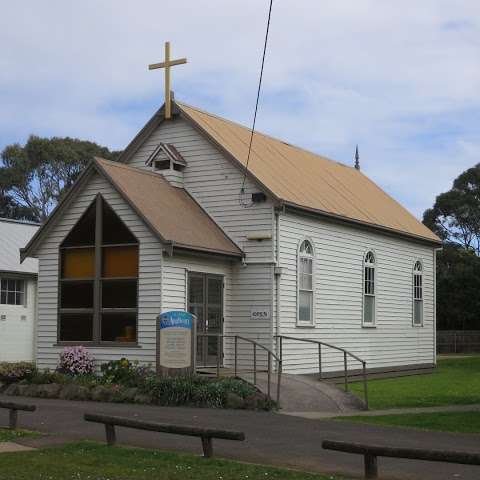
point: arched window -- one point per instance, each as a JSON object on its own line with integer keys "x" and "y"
{"x": 305, "y": 284}
{"x": 369, "y": 289}
{"x": 418, "y": 294}
{"x": 98, "y": 280}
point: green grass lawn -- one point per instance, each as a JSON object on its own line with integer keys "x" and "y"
{"x": 12, "y": 435}
{"x": 459, "y": 422}
{"x": 84, "y": 461}
{"x": 455, "y": 382}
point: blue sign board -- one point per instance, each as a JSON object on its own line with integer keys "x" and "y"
{"x": 176, "y": 318}
{"x": 176, "y": 341}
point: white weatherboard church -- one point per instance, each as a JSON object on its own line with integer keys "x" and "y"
{"x": 311, "y": 248}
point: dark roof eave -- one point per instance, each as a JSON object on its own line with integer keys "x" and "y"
{"x": 18, "y": 273}
{"x": 366, "y": 225}
{"x": 210, "y": 251}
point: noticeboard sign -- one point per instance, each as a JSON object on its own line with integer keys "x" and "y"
{"x": 176, "y": 342}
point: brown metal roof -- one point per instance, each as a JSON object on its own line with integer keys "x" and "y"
{"x": 301, "y": 178}
{"x": 170, "y": 211}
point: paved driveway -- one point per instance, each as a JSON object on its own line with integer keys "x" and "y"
{"x": 270, "y": 438}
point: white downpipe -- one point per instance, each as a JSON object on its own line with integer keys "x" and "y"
{"x": 277, "y": 282}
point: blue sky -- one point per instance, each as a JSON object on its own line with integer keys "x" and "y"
{"x": 403, "y": 83}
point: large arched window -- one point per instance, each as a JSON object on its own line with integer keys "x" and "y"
{"x": 418, "y": 294}
{"x": 369, "y": 265}
{"x": 98, "y": 280}
{"x": 305, "y": 283}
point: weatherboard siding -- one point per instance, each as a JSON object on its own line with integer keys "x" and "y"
{"x": 339, "y": 251}
{"x": 149, "y": 290}
{"x": 244, "y": 288}
{"x": 215, "y": 182}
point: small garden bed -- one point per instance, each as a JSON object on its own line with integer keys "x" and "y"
{"x": 123, "y": 381}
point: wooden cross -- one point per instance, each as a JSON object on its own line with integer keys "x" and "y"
{"x": 166, "y": 65}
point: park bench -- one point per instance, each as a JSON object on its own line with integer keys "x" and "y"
{"x": 13, "y": 412}
{"x": 371, "y": 452}
{"x": 206, "y": 434}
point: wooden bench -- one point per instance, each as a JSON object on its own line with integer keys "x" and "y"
{"x": 205, "y": 434}
{"x": 13, "y": 414}
{"x": 371, "y": 452}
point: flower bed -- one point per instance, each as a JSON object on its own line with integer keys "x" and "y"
{"x": 126, "y": 382}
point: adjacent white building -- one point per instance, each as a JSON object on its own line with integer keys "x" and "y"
{"x": 297, "y": 245}
{"x": 18, "y": 297}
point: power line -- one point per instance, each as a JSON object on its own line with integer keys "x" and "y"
{"x": 242, "y": 190}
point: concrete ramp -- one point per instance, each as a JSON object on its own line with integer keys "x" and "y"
{"x": 303, "y": 394}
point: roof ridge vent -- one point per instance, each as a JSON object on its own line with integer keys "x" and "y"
{"x": 168, "y": 161}
{"x": 170, "y": 151}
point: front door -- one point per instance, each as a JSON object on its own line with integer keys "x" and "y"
{"x": 205, "y": 301}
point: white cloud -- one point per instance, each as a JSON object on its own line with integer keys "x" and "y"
{"x": 401, "y": 79}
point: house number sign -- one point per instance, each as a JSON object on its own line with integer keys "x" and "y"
{"x": 260, "y": 313}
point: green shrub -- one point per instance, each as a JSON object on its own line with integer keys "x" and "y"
{"x": 125, "y": 372}
{"x": 11, "y": 372}
{"x": 46, "y": 376}
{"x": 195, "y": 390}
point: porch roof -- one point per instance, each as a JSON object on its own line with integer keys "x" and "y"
{"x": 169, "y": 211}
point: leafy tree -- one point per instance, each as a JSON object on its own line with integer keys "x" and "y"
{"x": 33, "y": 177}
{"x": 455, "y": 218}
{"x": 8, "y": 209}
{"x": 458, "y": 289}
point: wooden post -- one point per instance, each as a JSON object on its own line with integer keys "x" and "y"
{"x": 13, "y": 419}
{"x": 110, "y": 433}
{"x": 320, "y": 360}
{"x": 168, "y": 100}
{"x": 371, "y": 466}
{"x": 345, "y": 369}
{"x": 207, "y": 446}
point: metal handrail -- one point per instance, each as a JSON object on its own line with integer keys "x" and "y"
{"x": 345, "y": 366}
{"x": 255, "y": 344}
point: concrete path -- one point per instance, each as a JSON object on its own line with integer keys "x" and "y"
{"x": 301, "y": 393}
{"x": 9, "y": 447}
{"x": 273, "y": 439}
{"x": 390, "y": 411}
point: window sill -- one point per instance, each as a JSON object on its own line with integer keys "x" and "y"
{"x": 305, "y": 325}
{"x": 368, "y": 326}
{"x": 98, "y": 345}
{"x": 417, "y": 326}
